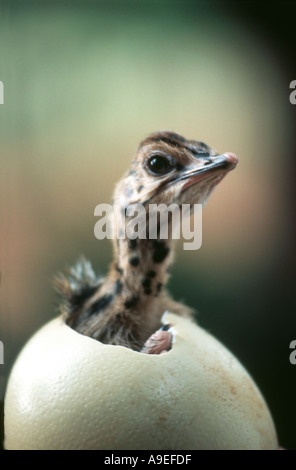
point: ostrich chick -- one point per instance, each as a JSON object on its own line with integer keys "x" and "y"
{"x": 126, "y": 307}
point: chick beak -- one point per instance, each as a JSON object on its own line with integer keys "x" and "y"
{"x": 206, "y": 166}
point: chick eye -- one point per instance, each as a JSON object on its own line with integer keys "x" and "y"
{"x": 160, "y": 165}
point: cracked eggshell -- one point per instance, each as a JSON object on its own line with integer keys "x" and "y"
{"x": 68, "y": 391}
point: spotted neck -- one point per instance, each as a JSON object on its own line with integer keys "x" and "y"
{"x": 127, "y": 306}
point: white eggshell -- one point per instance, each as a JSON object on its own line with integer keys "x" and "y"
{"x": 68, "y": 391}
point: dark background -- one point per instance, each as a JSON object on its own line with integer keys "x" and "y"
{"x": 242, "y": 280}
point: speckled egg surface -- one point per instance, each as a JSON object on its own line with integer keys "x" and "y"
{"x": 68, "y": 391}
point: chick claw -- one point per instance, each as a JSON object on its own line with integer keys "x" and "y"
{"x": 160, "y": 342}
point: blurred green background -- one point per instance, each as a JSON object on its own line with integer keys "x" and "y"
{"x": 84, "y": 83}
